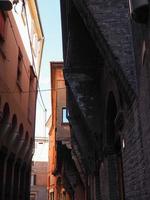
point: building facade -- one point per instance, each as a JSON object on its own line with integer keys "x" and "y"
{"x": 106, "y": 70}
{"x": 21, "y": 45}
{"x": 39, "y": 171}
{"x": 59, "y": 136}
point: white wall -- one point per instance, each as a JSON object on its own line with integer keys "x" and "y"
{"x": 23, "y": 23}
{"x": 41, "y": 151}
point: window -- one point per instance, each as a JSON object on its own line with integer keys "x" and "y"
{"x": 64, "y": 195}
{"x": 33, "y": 195}
{"x": 31, "y": 98}
{"x": 51, "y": 195}
{"x": 34, "y": 39}
{"x": 35, "y": 44}
{"x": 19, "y": 70}
{"x": 33, "y": 179}
{"x": 2, "y": 26}
{"x": 23, "y": 14}
{"x": 65, "y": 115}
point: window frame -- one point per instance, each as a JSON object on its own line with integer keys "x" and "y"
{"x": 19, "y": 70}
{"x": 2, "y": 26}
{"x": 32, "y": 87}
{"x": 23, "y": 14}
{"x": 33, "y": 179}
{"x": 66, "y": 120}
{"x": 51, "y": 194}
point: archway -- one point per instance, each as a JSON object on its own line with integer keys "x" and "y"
{"x": 4, "y": 121}
{"x": 114, "y": 155}
{"x": 13, "y": 130}
{"x": 18, "y": 142}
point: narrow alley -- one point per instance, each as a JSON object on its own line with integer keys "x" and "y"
{"x": 74, "y": 100}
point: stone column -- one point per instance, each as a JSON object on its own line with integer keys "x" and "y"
{"x": 12, "y": 182}
{"x": 27, "y": 184}
{"x": 2, "y": 174}
{"x": 9, "y": 176}
{"x": 22, "y": 182}
{"x": 97, "y": 186}
{"x": 16, "y": 181}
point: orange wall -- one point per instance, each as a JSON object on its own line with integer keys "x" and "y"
{"x": 10, "y": 93}
{"x": 58, "y": 101}
{"x": 40, "y": 169}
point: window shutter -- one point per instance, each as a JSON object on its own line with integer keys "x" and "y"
{"x": 2, "y": 25}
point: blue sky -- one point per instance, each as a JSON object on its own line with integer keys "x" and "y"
{"x": 51, "y": 23}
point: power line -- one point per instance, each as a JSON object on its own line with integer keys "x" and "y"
{"x": 24, "y": 4}
{"x": 13, "y": 92}
{"x": 32, "y": 91}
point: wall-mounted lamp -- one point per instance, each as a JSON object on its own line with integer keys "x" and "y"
{"x": 139, "y": 10}
{"x": 123, "y": 144}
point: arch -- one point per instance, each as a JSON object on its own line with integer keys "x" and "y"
{"x": 27, "y": 137}
{"x": 32, "y": 145}
{"x": 110, "y": 119}
{"x": 59, "y": 181}
{"x": 11, "y": 134}
{"x": 6, "y": 113}
{"x": 14, "y": 123}
{"x": 121, "y": 99}
{"x": 14, "y": 126}
{"x": 29, "y": 150}
{"x": 114, "y": 156}
{"x": 19, "y": 139}
{"x": 20, "y": 135}
{"x": 4, "y": 121}
{"x": 24, "y": 145}
{"x": 21, "y": 130}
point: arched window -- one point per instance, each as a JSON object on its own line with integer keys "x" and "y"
{"x": 4, "y": 122}
{"x": 110, "y": 119}
{"x": 114, "y": 156}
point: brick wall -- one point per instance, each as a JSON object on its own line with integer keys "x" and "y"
{"x": 119, "y": 42}
{"x": 133, "y": 157}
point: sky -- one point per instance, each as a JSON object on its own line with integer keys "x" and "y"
{"x": 51, "y": 23}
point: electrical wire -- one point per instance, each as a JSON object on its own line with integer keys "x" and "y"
{"x": 24, "y": 4}
{"x": 13, "y": 92}
{"x": 33, "y": 91}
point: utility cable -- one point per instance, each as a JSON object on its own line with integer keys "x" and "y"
{"x": 24, "y": 5}
{"x": 33, "y": 91}
{"x": 23, "y": 65}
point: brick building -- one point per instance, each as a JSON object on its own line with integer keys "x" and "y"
{"x": 59, "y": 137}
{"x": 21, "y": 45}
{"x": 106, "y": 69}
{"x": 39, "y": 170}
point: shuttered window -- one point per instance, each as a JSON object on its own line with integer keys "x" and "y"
{"x": 2, "y": 25}
{"x": 19, "y": 70}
